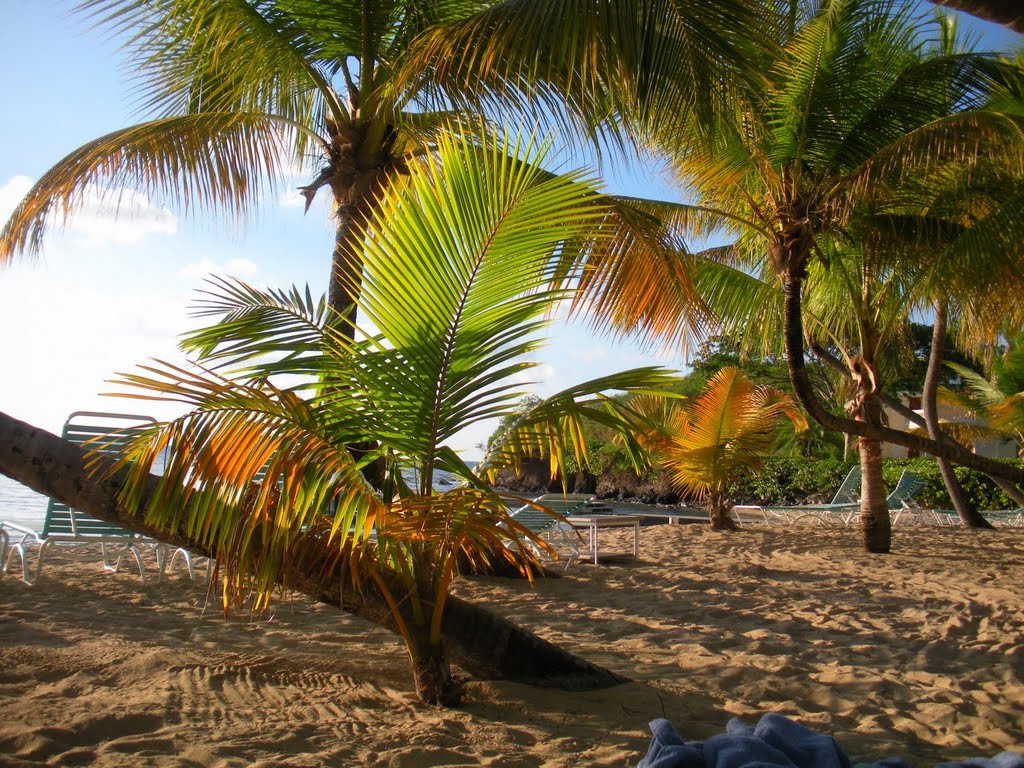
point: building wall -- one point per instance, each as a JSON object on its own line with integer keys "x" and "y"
{"x": 993, "y": 449}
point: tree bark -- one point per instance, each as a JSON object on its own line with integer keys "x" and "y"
{"x": 914, "y": 417}
{"x": 1009, "y": 13}
{"x": 804, "y": 392}
{"x": 483, "y": 643}
{"x": 964, "y": 509}
{"x": 718, "y": 513}
{"x": 875, "y": 524}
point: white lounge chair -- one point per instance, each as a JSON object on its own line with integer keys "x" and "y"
{"x": 550, "y": 523}
{"x": 842, "y": 507}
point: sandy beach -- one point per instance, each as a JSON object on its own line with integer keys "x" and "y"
{"x": 918, "y": 654}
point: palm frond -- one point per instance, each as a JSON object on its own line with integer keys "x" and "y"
{"x": 249, "y": 471}
{"x": 556, "y": 427}
{"x": 205, "y": 161}
{"x": 569, "y": 60}
{"x": 460, "y": 261}
{"x": 193, "y": 56}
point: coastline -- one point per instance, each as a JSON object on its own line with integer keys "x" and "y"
{"x": 918, "y": 654}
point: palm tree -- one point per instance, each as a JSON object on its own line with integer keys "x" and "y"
{"x": 242, "y": 90}
{"x": 731, "y": 424}
{"x": 461, "y": 259}
{"x": 999, "y": 399}
{"x": 854, "y": 104}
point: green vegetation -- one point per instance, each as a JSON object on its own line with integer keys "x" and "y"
{"x": 463, "y": 259}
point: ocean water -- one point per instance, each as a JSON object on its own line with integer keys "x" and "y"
{"x": 21, "y": 505}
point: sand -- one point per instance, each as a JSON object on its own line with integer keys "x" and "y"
{"x": 917, "y": 654}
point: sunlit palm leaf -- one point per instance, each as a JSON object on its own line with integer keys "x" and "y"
{"x": 207, "y": 161}
{"x": 556, "y": 427}
{"x": 458, "y": 268}
{"x": 728, "y": 426}
{"x": 603, "y": 59}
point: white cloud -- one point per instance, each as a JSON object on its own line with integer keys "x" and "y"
{"x": 11, "y": 194}
{"x": 73, "y": 336}
{"x": 592, "y": 353}
{"x": 103, "y": 216}
{"x": 238, "y": 267}
{"x": 119, "y": 216}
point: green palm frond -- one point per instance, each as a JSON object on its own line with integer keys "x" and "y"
{"x": 459, "y": 262}
{"x": 602, "y": 59}
{"x": 206, "y": 161}
{"x": 267, "y": 331}
{"x": 195, "y": 56}
{"x": 557, "y": 427}
{"x": 746, "y": 306}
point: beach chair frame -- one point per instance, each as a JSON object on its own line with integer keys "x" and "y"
{"x": 76, "y": 534}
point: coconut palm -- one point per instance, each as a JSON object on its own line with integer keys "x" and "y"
{"x": 731, "y": 424}
{"x": 462, "y": 258}
{"x": 241, "y": 92}
{"x": 855, "y": 102}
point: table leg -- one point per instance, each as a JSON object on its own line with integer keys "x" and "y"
{"x": 636, "y": 540}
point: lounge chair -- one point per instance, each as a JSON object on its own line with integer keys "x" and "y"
{"x": 72, "y": 530}
{"x": 900, "y": 501}
{"x": 1009, "y": 518}
{"x": 844, "y": 504}
{"x": 551, "y": 524}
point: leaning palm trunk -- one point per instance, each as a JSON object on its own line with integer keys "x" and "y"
{"x": 968, "y": 514}
{"x": 485, "y": 644}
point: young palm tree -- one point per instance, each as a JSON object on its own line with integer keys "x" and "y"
{"x": 461, "y": 260}
{"x": 730, "y": 425}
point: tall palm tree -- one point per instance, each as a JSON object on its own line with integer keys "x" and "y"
{"x": 855, "y": 102}
{"x": 242, "y": 90}
{"x": 461, "y": 260}
{"x": 731, "y": 424}
{"x": 239, "y": 92}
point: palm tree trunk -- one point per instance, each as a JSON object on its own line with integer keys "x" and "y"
{"x": 966, "y": 511}
{"x": 804, "y": 392}
{"x": 875, "y": 524}
{"x": 343, "y": 287}
{"x": 482, "y": 642}
{"x": 718, "y": 513}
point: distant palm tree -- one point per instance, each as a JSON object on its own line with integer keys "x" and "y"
{"x": 730, "y": 425}
{"x": 462, "y": 258}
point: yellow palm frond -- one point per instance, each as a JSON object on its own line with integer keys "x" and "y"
{"x": 206, "y": 162}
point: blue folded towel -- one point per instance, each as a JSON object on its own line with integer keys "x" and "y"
{"x": 775, "y": 742}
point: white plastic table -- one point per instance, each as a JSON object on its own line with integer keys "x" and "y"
{"x": 595, "y": 522}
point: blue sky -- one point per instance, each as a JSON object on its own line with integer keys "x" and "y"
{"x": 110, "y": 292}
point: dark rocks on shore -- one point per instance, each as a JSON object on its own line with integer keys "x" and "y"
{"x": 619, "y": 484}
